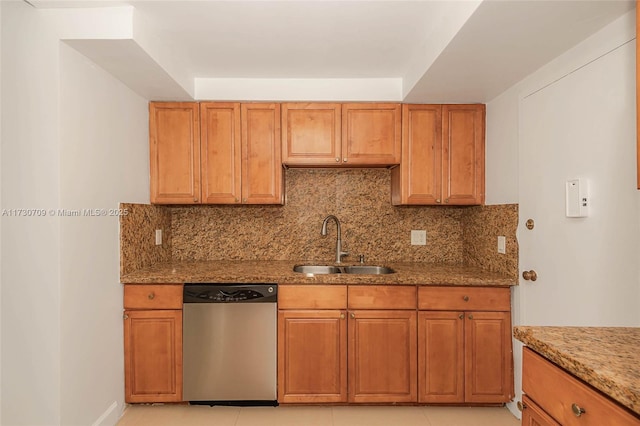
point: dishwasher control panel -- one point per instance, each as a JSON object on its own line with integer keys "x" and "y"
{"x": 230, "y": 293}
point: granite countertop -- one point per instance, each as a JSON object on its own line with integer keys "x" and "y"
{"x": 281, "y": 272}
{"x": 608, "y": 358}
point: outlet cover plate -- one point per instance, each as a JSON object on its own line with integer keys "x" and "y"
{"x": 418, "y": 237}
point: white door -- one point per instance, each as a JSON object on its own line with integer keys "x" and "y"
{"x": 581, "y": 126}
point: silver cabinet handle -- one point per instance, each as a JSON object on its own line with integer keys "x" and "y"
{"x": 577, "y": 410}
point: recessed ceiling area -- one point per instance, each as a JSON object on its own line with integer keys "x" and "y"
{"x": 361, "y": 50}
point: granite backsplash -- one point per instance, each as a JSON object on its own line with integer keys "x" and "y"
{"x": 360, "y": 198}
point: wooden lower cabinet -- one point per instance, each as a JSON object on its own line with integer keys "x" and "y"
{"x": 382, "y": 356}
{"x": 370, "y": 344}
{"x": 464, "y": 356}
{"x": 441, "y": 356}
{"x": 488, "y": 357}
{"x": 312, "y": 356}
{"x": 532, "y": 415}
{"x": 153, "y": 355}
{"x": 559, "y": 398}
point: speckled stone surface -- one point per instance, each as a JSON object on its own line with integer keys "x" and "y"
{"x": 282, "y": 272}
{"x": 137, "y": 236}
{"x": 481, "y": 226}
{"x": 608, "y": 358}
{"x": 360, "y": 198}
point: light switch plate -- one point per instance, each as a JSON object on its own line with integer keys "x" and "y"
{"x": 158, "y": 237}
{"x": 418, "y": 238}
{"x": 502, "y": 244}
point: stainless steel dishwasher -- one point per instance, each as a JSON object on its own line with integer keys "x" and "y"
{"x": 230, "y": 344}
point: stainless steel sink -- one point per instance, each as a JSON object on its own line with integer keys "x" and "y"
{"x": 367, "y": 269}
{"x": 316, "y": 269}
{"x": 352, "y": 269}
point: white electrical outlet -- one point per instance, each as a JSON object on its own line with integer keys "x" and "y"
{"x": 418, "y": 238}
{"x": 502, "y": 245}
{"x": 158, "y": 237}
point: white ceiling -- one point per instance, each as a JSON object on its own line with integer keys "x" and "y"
{"x": 417, "y": 51}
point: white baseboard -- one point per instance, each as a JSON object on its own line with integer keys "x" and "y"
{"x": 110, "y": 417}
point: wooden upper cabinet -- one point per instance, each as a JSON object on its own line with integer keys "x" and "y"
{"x": 463, "y": 128}
{"x": 262, "y": 172}
{"x": 371, "y": 134}
{"x": 418, "y": 178}
{"x": 174, "y": 148}
{"x": 221, "y": 153}
{"x": 442, "y": 156}
{"x": 311, "y": 134}
{"x": 215, "y": 153}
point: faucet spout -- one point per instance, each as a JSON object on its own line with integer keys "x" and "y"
{"x": 323, "y": 232}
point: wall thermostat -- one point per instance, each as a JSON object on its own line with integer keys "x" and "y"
{"x": 577, "y": 198}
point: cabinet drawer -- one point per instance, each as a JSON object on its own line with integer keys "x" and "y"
{"x": 312, "y": 296}
{"x": 161, "y": 296}
{"x": 382, "y": 297}
{"x": 555, "y": 391}
{"x": 464, "y": 298}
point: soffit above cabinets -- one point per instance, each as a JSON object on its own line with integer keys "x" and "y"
{"x": 433, "y": 51}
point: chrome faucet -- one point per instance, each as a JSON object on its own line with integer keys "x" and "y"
{"x": 323, "y": 232}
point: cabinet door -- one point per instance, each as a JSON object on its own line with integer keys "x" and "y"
{"x": 174, "y": 151}
{"x": 221, "y": 153}
{"x": 153, "y": 356}
{"x": 488, "y": 357}
{"x": 463, "y": 153}
{"x": 440, "y": 357}
{"x": 371, "y": 134}
{"x": 311, "y": 134}
{"x": 382, "y": 356}
{"x": 532, "y": 415}
{"x": 262, "y": 172}
{"x": 418, "y": 178}
{"x": 312, "y": 356}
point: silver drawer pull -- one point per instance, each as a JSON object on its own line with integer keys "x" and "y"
{"x": 577, "y": 410}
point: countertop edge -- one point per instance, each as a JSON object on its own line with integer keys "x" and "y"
{"x": 603, "y": 384}
{"x": 281, "y": 272}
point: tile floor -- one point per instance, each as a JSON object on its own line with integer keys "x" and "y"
{"x": 159, "y": 415}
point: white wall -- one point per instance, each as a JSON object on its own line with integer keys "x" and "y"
{"x": 565, "y": 84}
{"x": 103, "y": 161}
{"x": 0, "y": 221}
{"x": 30, "y": 245}
{"x": 72, "y": 137}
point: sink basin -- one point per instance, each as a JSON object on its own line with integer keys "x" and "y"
{"x": 316, "y": 269}
{"x": 352, "y": 269}
{"x": 367, "y": 269}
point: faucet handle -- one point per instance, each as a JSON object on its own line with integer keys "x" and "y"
{"x": 343, "y": 253}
